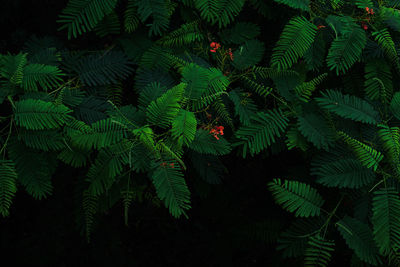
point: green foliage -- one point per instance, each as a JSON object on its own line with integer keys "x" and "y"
{"x": 249, "y": 54}
{"x": 318, "y": 252}
{"x": 349, "y": 107}
{"x": 184, "y": 127}
{"x": 298, "y": 4}
{"x": 171, "y": 188}
{"x": 297, "y": 197}
{"x": 295, "y": 40}
{"x": 358, "y": 236}
{"x": 221, "y": 12}
{"x": 262, "y": 130}
{"x": 81, "y": 16}
{"x": 346, "y": 49}
{"x": 8, "y": 185}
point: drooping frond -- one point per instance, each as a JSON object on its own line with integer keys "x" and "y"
{"x": 221, "y": 12}
{"x": 188, "y": 33}
{"x": 8, "y": 185}
{"x": 378, "y": 81}
{"x": 40, "y": 115}
{"x": 358, "y": 236}
{"x": 296, "y": 197}
{"x": 103, "y": 69}
{"x": 316, "y": 129}
{"x": 368, "y": 156}
{"x": 171, "y": 188}
{"x": 341, "y": 171}
{"x": 298, "y": 4}
{"x": 386, "y": 219}
{"x": 164, "y": 109}
{"x": 296, "y": 38}
{"x": 245, "y": 107}
{"x": 248, "y": 54}
{"x": 131, "y": 17}
{"x": 385, "y": 41}
{"x": 346, "y": 49}
{"x": 81, "y": 16}
{"x": 37, "y": 76}
{"x": 349, "y": 107}
{"x": 184, "y": 127}
{"x": 263, "y": 130}
{"x": 158, "y": 10}
{"x": 318, "y": 251}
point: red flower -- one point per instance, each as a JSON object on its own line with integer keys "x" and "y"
{"x": 320, "y": 27}
{"x": 365, "y": 27}
{"x": 172, "y": 165}
{"x": 214, "y": 47}
{"x": 230, "y": 53}
{"x": 218, "y": 130}
{"x": 369, "y": 11}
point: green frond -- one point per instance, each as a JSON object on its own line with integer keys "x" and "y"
{"x": 171, "y": 188}
{"x": 391, "y": 17}
{"x": 164, "y": 109}
{"x": 186, "y": 34}
{"x": 245, "y": 107}
{"x": 82, "y": 16}
{"x": 102, "y": 172}
{"x": 158, "y": 10}
{"x": 293, "y": 241}
{"x": 184, "y": 127}
{"x": 221, "y": 11}
{"x": 298, "y": 4}
{"x": 103, "y": 69}
{"x": 205, "y": 143}
{"x": 318, "y": 251}
{"x": 395, "y": 105}
{"x": 150, "y": 93}
{"x": 390, "y": 137}
{"x": 45, "y": 140}
{"x": 315, "y": 54}
{"x": 368, "y": 156}
{"x": 263, "y": 130}
{"x": 296, "y": 197}
{"x": 317, "y": 130}
{"x": 295, "y": 40}
{"x": 341, "y": 171}
{"x": 92, "y": 109}
{"x": 349, "y": 107}
{"x": 364, "y": 3}
{"x": 296, "y": 139}
{"x": 358, "y": 236}
{"x": 102, "y": 133}
{"x": 70, "y": 97}
{"x": 197, "y": 79}
{"x": 109, "y": 25}
{"x": 378, "y": 81}
{"x": 131, "y": 17}
{"x": 222, "y": 112}
{"x": 248, "y": 54}
{"x": 385, "y": 41}
{"x": 305, "y": 90}
{"x": 257, "y": 87}
{"x": 34, "y": 169}
{"x": 40, "y": 115}
{"x": 240, "y": 33}
{"x": 8, "y": 185}
{"x": 89, "y": 205}
{"x": 76, "y": 157}
{"x": 12, "y": 67}
{"x": 386, "y": 219}
{"x": 346, "y": 49}
{"x": 37, "y": 76}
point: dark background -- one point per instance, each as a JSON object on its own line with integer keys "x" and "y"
{"x": 219, "y": 229}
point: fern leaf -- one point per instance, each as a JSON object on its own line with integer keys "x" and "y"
{"x": 164, "y": 109}
{"x": 249, "y": 54}
{"x": 358, "y": 237}
{"x": 172, "y": 189}
{"x": 221, "y": 12}
{"x": 298, "y": 4}
{"x": 184, "y": 127}
{"x": 368, "y": 156}
{"x": 295, "y": 40}
{"x": 81, "y": 16}
{"x": 205, "y": 143}
{"x": 8, "y": 185}
{"x": 318, "y": 252}
{"x": 349, "y": 107}
{"x": 40, "y": 115}
{"x": 296, "y": 197}
{"x": 386, "y": 220}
